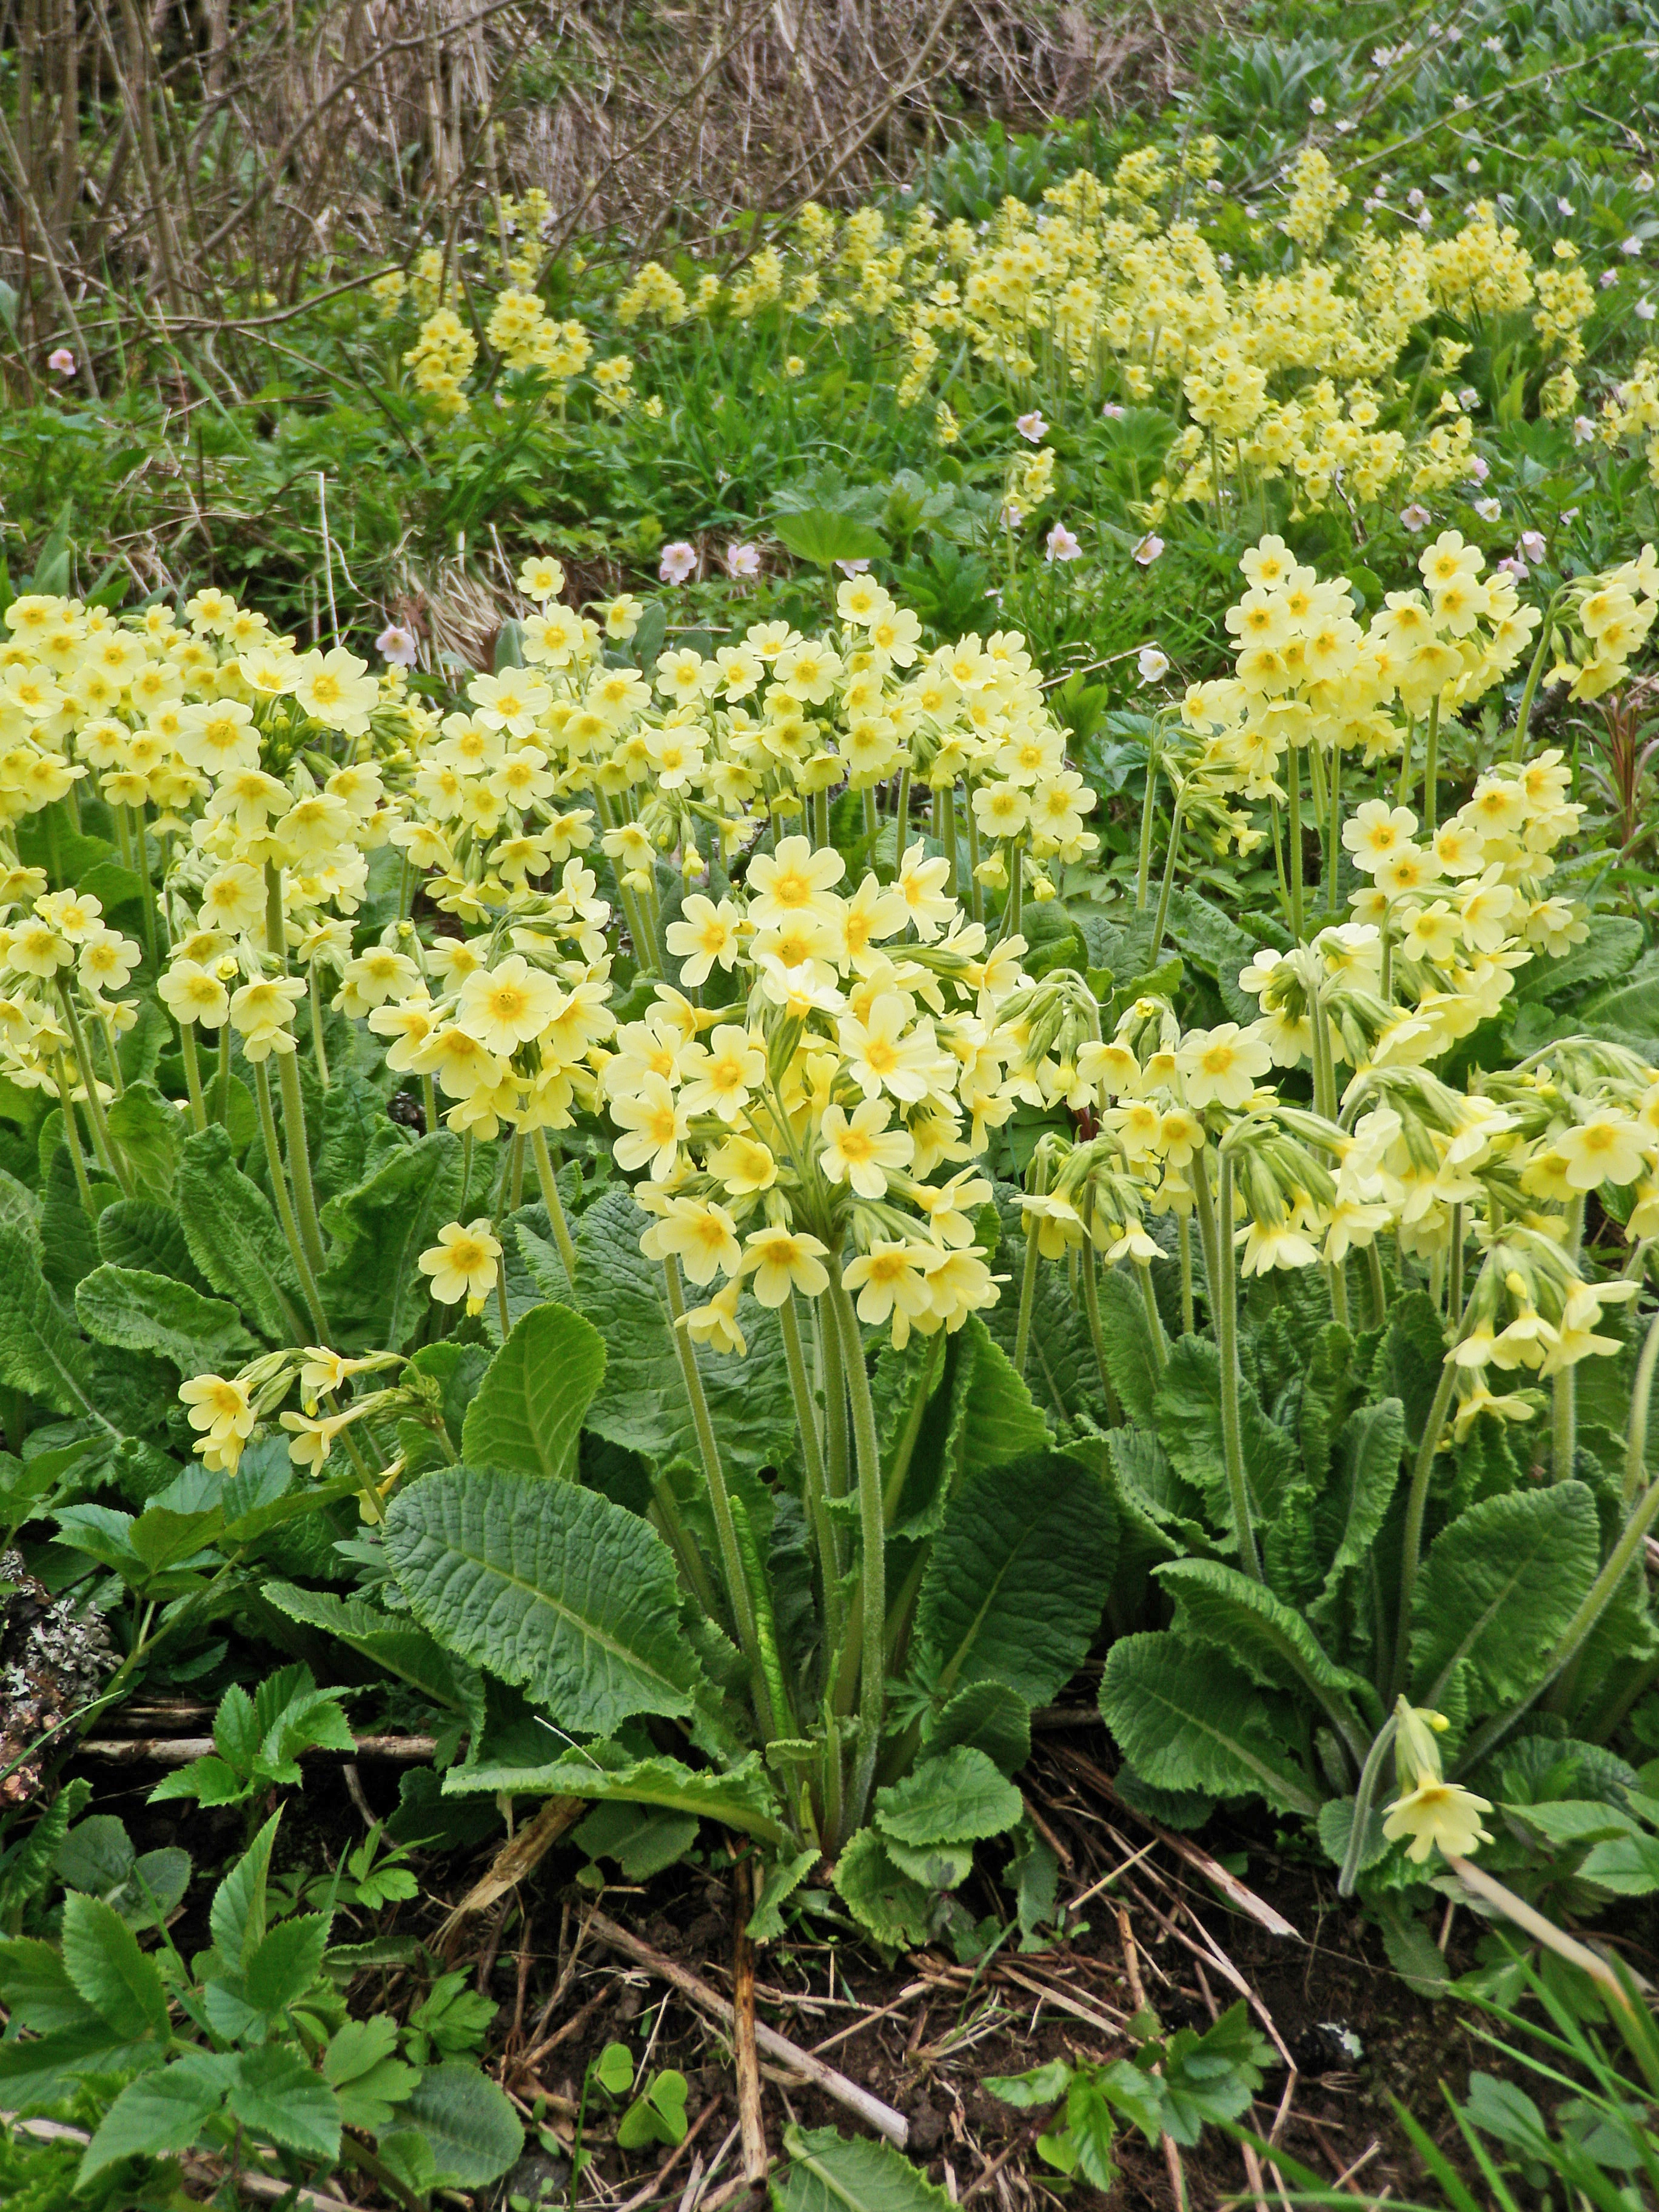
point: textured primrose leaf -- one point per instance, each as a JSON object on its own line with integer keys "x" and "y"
{"x": 235, "y": 1239}
{"x": 391, "y": 1640}
{"x": 1189, "y": 1417}
{"x": 468, "y": 2122}
{"x": 1017, "y": 1577}
{"x": 40, "y": 1348}
{"x": 740, "y": 1796}
{"x": 824, "y": 2171}
{"x": 137, "y": 1311}
{"x": 550, "y": 1586}
{"x": 1189, "y": 1719}
{"x": 1219, "y": 1606}
{"x": 895, "y": 1909}
{"x": 1499, "y": 1585}
{"x": 526, "y": 1416}
{"x": 957, "y": 1798}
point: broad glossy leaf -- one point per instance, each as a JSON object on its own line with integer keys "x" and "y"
{"x": 526, "y": 1417}
{"x": 549, "y": 1586}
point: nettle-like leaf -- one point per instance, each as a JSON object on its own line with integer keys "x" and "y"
{"x": 1188, "y": 1720}
{"x": 1015, "y": 1583}
{"x": 1498, "y": 1586}
{"x": 549, "y": 1586}
{"x": 137, "y": 1311}
{"x": 160, "y": 2114}
{"x": 122, "y": 1983}
{"x": 526, "y": 1417}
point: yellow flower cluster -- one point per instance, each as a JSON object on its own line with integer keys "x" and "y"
{"x": 441, "y": 359}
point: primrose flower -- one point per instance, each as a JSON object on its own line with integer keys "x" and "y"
{"x": 463, "y": 1263}
{"x": 1440, "y": 1816}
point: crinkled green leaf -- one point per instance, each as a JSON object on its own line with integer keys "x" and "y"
{"x": 161, "y": 2113}
{"x": 823, "y": 2171}
{"x": 148, "y": 1132}
{"x": 40, "y": 1348}
{"x": 235, "y": 1239}
{"x": 140, "y": 1312}
{"x": 1188, "y": 1720}
{"x": 896, "y": 1910}
{"x": 740, "y": 1796}
{"x": 372, "y": 1288}
{"x": 469, "y": 2123}
{"x": 958, "y": 1797}
{"x": 526, "y": 1416}
{"x": 1499, "y": 1585}
{"x": 549, "y": 1586}
{"x": 1014, "y": 1586}
{"x": 390, "y": 1640}
{"x": 1189, "y": 1417}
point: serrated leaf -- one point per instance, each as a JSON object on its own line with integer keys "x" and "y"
{"x": 1188, "y": 1420}
{"x": 37, "y": 1991}
{"x": 140, "y": 1312}
{"x": 375, "y": 1292}
{"x": 740, "y": 1796}
{"x": 234, "y": 1238}
{"x": 549, "y": 1586}
{"x": 1218, "y": 1606}
{"x": 1628, "y": 1015}
{"x": 783, "y": 1878}
{"x": 526, "y": 1417}
{"x": 824, "y": 2171}
{"x": 896, "y": 1910}
{"x": 40, "y": 1349}
{"x": 959, "y": 1797}
{"x": 1190, "y": 1721}
{"x": 469, "y": 2123}
{"x": 1368, "y": 1456}
{"x": 101, "y": 1957}
{"x": 1498, "y": 1587}
{"x": 1150, "y": 1488}
{"x": 160, "y": 2114}
{"x": 237, "y": 1914}
{"x": 1614, "y": 946}
{"x": 390, "y": 1640}
{"x": 276, "y": 2096}
{"x": 286, "y": 1963}
{"x": 1017, "y": 1576}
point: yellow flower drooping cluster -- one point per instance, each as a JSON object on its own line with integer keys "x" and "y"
{"x": 808, "y": 1115}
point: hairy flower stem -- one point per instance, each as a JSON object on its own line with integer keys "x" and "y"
{"x": 1184, "y": 1246}
{"x": 1204, "y": 1207}
{"x": 1028, "y": 1275}
{"x": 1431, "y": 769}
{"x": 72, "y": 1139}
{"x": 1144, "y": 864}
{"x": 1379, "y": 1288}
{"x": 1168, "y": 886}
{"x": 192, "y": 1075}
{"x": 1529, "y": 688}
{"x": 666, "y": 1506}
{"x": 836, "y": 1449}
{"x": 1363, "y": 1798}
{"x": 1334, "y": 833}
{"x": 820, "y": 819}
{"x": 1416, "y": 1499}
{"x": 1097, "y": 1336}
{"x": 1154, "y": 1319}
{"x": 299, "y": 1159}
{"x": 285, "y": 1205}
{"x": 811, "y": 1453}
{"x": 873, "y": 1564}
{"x": 549, "y": 1184}
{"x": 1012, "y": 904}
{"x": 108, "y": 1159}
{"x": 221, "y": 1077}
{"x": 1294, "y": 839}
{"x": 737, "y": 1586}
{"x": 1232, "y": 1445}
{"x": 1635, "y": 1448}
{"x": 1564, "y": 1390}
